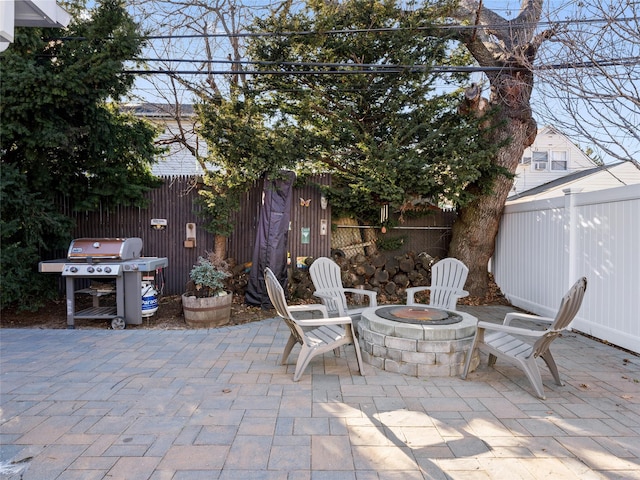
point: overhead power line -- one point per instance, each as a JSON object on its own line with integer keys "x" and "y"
{"x": 602, "y": 63}
{"x": 590, "y": 21}
{"x": 509, "y": 25}
{"x": 351, "y": 69}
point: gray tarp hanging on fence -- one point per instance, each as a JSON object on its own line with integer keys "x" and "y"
{"x": 271, "y": 245}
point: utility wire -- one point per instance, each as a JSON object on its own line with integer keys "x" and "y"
{"x": 351, "y": 69}
{"x": 377, "y": 71}
{"x": 602, "y": 63}
{"x": 592, "y": 21}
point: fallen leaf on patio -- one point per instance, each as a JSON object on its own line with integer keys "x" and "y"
{"x": 226, "y": 390}
{"x": 584, "y": 385}
{"x": 627, "y": 397}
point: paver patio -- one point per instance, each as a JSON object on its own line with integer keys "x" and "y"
{"x": 216, "y": 404}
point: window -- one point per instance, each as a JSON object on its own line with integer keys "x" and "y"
{"x": 525, "y": 160}
{"x": 558, "y": 160}
{"x": 540, "y": 160}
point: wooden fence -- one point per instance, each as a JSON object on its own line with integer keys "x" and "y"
{"x": 183, "y": 239}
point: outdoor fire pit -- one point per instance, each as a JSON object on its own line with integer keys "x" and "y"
{"x": 415, "y": 340}
{"x": 419, "y": 315}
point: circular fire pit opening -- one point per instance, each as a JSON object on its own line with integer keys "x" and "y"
{"x": 419, "y": 315}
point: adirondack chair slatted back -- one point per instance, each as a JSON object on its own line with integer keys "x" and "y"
{"x": 279, "y": 301}
{"x": 326, "y": 276}
{"x": 569, "y": 307}
{"x": 449, "y": 272}
{"x": 451, "y": 275}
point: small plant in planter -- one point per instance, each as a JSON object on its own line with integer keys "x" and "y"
{"x": 207, "y": 279}
{"x": 206, "y": 303}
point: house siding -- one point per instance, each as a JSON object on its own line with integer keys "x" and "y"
{"x": 549, "y": 140}
{"x": 599, "y": 178}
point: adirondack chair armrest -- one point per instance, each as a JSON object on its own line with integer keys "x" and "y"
{"x": 310, "y": 308}
{"x": 498, "y": 327}
{"x": 316, "y": 322}
{"x": 324, "y": 295}
{"x": 527, "y": 317}
{"x": 373, "y": 301}
{"x": 411, "y": 293}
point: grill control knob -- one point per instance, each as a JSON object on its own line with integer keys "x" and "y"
{"x": 98, "y": 269}
{"x": 107, "y": 269}
{"x": 90, "y": 269}
{"x": 73, "y": 269}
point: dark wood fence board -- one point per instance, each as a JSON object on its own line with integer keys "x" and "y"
{"x": 174, "y": 202}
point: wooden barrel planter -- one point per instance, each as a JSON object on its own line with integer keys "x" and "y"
{"x": 207, "y": 312}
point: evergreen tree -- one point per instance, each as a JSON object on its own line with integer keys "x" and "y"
{"x": 356, "y": 85}
{"x": 61, "y": 136}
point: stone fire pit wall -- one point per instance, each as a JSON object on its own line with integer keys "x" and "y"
{"x": 414, "y": 349}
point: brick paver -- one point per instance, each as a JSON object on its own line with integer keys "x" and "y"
{"x": 216, "y": 404}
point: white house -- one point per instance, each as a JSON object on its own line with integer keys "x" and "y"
{"x": 552, "y": 155}
{"x": 29, "y": 13}
{"x": 177, "y": 128}
{"x": 593, "y": 179}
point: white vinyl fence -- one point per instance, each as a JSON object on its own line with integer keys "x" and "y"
{"x": 544, "y": 246}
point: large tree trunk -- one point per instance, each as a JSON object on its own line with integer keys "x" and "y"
{"x": 476, "y": 227}
{"x": 510, "y": 45}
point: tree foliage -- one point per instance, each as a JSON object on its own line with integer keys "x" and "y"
{"x": 61, "y": 137}
{"x": 202, "y": 37}
{"x": 387, "y": 134}
{"x": 28, "y": 226}
{"x": 243, "y": 148}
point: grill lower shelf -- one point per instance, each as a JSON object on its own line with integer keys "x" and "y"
{"x": 97, "y": 312}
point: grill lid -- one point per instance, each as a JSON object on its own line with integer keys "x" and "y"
{"x": 105, "y": 249}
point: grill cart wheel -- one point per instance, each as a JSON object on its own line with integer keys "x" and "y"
{"x": 118, "y": 323}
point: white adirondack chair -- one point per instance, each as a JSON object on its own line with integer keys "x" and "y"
{"x": 447, "y": 284}
{"x": 316, "y": 335}
{"x": 326, "y": 278}
{"x": 498, "y": 340}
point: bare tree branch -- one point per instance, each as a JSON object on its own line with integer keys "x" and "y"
{"x": 599, "y": 102}
{"x": 175, "y": 20}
